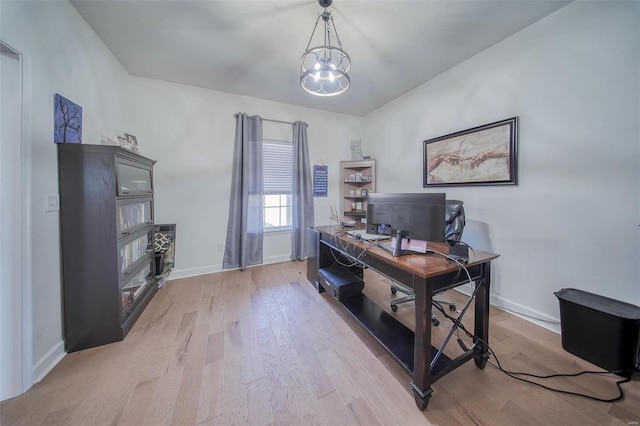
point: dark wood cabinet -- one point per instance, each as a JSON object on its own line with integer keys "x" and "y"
{"x": 106, "y": 228}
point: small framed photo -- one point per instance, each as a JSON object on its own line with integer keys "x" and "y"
{"x": 132, "y": 143}
{"x": 363, "y": 192}
{"x": 352, "y": 177}
{"x": 358, "y": 192}
{"x": 359, "y": 206}
{"x": 359, "y": 177}
{"x": 352, "y": 193}
{"x": 128, "y": 141}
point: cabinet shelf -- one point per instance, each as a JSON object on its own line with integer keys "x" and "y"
{"x": 358, "y": 177}
{"x": 356, "y": 183}
{"x": 106, "y": 224}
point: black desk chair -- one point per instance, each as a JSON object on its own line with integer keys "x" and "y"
{"x": 455, "y": 222}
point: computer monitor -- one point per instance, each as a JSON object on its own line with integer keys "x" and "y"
{"x": 417, "y": 216}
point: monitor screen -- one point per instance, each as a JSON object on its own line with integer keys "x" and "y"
{"x": 419, "y": 216}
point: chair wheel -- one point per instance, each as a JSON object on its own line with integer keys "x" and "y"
{"x": 452, "y": 307}
{"x": 393, "y": 290}
{"x": 435, "y": 322}
{"x": 394, "y": 308}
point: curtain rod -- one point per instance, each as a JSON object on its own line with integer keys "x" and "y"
{"x": 277, "y": 121}
{"x": 268, "y": 119}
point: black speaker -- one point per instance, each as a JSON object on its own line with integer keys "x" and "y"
{"x": 459, "y": 250}
{"x": 340, "y": 282}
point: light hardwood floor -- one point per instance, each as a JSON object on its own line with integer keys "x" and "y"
{"x": 262, "y": 347}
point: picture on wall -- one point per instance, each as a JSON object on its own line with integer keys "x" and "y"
{"x": 320, "y": 180}
{"x": 483, "y": 155}
{"x": 67, "y": 120}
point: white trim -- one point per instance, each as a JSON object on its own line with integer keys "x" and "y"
{"x": 25, "y": 203}
{"x": 277, "y": 259}
{"x": 48, "y": 361}
{"x": 516, "y": 309}
{"x": 275, "y": 230}
{"x": 194, "y": 272}
{"x": 27, "y": 261}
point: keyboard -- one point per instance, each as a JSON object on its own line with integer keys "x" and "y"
{"x": 363, "y": 235}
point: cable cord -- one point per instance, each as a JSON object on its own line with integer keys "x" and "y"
{"x": 515, "y": 374}
{"x": 460, "y": 264}
{"x": 501, "y": 307}
{"x": 344, "y": 248}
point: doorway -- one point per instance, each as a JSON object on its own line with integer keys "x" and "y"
{"x": 15, "y": 289}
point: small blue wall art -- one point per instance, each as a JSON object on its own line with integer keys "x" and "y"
{"x": 67, "y": 121}
{"x": 320, "y": 180}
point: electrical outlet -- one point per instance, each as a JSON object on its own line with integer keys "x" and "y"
{"x": 220, "y": 246}
{"x": 52, "y": 202}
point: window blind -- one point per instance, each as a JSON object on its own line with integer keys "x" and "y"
{"x": 277, "y": 166}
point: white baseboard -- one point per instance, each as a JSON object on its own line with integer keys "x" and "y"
{"x": 518, "y": 310}
{"x": 277, "y": 259}
{"x": 45, "y": 364}
{"x": 194, "y": 272}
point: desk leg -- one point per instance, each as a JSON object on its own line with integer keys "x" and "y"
{"x": 481, "y": 320}
{"x": 421, "y": 384}
{"x": 421, "y": 398}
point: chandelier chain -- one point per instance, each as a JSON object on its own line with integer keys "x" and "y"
{"x": 327, "y": 34}
{"x": 313, "y": 32}
{"x": 336, "y": 31}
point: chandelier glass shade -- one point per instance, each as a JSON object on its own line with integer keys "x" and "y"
{"x": 325, "y": 70}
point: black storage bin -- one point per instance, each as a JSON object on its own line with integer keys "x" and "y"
{"x": 603, "y": 331}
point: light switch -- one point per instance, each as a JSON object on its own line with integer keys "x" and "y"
{"x": 53, "y": 202}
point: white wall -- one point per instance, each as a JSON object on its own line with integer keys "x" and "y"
{"x": 67, "y": 58}
{"x": 190, "y": 132}
{"x": 573, "y": 80}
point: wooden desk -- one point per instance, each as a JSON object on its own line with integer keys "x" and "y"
{"x": 426, "y": 275}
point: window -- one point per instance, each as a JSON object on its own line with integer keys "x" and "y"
{"x": 278, "y": 183}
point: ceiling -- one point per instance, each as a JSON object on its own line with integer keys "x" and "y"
{"x": 253, "y": 48}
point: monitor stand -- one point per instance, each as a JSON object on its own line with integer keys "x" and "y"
{"x": 412, "y": 247}
{"x": 396, "y": 249}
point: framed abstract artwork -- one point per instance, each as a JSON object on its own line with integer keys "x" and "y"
{"x": 483, "y": 155}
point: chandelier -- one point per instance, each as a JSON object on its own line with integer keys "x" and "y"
{"x": 325, "y": 70}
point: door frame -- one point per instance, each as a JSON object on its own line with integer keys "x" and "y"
{"x": 25, "y": 305}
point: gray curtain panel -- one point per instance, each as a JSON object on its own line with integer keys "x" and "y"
{"x": 302, "y": 192}
{"x": 245, "y": 227}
